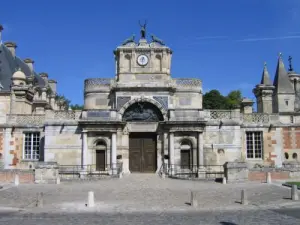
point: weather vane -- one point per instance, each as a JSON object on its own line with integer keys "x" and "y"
{"x": 291, "y": 63}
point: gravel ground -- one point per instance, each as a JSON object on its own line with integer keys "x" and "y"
{"x": 140, "y": 198}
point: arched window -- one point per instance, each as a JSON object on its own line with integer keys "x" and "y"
{"x": 186, "y": 150}
{"x": 286, "y": 155}
{"x": 295, "y": 156}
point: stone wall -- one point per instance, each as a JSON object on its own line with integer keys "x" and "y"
{"x": 291, "y": 143}
{"x": 25, "y": 176}
{"x": 4, "y": 107}
{"x": 1, "y": 148}
{"x": 63, "y": 144}
{"x": 262, "y": 175}
{"x": 221, "y": 144}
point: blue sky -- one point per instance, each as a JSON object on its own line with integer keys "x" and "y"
{"x": 223, "y": 43}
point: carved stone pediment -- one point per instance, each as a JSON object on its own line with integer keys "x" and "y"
{"x": 142, "y": 111}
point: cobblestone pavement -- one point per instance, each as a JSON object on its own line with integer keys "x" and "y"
{"x": 140, "y": 198}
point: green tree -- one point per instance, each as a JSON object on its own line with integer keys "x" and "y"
{"x": 76, "y": 107}
{"x": 63, "y": 101}
{"x": 234, "y": 99}
{"x": 214, "y": 100}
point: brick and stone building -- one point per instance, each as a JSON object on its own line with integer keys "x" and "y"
{"x": 142, "y": 117}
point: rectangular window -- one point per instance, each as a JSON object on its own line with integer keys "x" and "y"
{"x": 31, "y": 146}
{"x": 254, "y": 143}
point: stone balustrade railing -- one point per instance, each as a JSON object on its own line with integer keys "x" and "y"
{"x": 188, "y": 84}
{"x": 257, "y": 118}
{"x": 101, "y": 115}
{"x": 97, "y": 84}
{"x": 63, "y": 115}
{"x": 26, "y": 120}
{"x": 222, "y": 114}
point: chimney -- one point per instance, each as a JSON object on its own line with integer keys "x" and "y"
{"x": 29, "y": 63}
{"x": 1, "y": 29}
{"x": 44, "y": 76}
{"x": 52, "y": 84}
{"x": 12, "y": 47}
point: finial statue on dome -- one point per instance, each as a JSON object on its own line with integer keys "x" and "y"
{"x": 143, "y": 29}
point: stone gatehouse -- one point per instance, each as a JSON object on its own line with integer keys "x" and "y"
{"x": 142, "y": 117}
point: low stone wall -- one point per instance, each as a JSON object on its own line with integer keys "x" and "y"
{"x": 25, "y": 176}
{"x": 262, "y": 175}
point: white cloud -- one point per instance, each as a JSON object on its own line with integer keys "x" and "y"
{"x": 269, "y": 38}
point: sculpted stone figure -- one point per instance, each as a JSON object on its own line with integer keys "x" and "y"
{"x": 157, "y": 40}
{"x": 143, "y": 30}
{"x": 129, "y": 40}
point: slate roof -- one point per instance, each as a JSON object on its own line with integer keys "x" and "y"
{"x": 281, "y": 82}
{"x": 265, "y": 79}
{"x": 9, "y": 64}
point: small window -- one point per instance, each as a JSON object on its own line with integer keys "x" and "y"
{"x": 254, "y": 141}
{"x": 32, "y": 146}
{"x": 286, "y": 155}
{"x": 292, "y": 119}
{"x": 295, "y": 156}
{"x": 286, "y": 102}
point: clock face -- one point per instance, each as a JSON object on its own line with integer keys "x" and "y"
{"x": 142, "y": 60}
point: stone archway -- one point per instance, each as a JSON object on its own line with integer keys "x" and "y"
{"x": 151, "y": 106}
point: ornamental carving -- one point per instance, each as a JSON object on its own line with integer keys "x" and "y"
{"x": 142, "y": 111}
{"x": 163, "y": 100}
{"x": 121, "y": 101}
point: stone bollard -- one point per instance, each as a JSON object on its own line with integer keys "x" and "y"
{"x": 91, "y": 200}
{"x": 294, "y": 193}
{"x": 57, "y": 180}
{"x": 268, "y": 177}
{"x": 17, "y": 180}
{"x": 40, "y": 200}
{"x": 194, "y": 202}
{"x": 224, "y": 181}
{"x": 163, "y": 176}
{"x": 244, "y": 199}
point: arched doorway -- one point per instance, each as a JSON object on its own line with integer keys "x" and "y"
{"x": 142, "y": 145}
{"x": 101, "y": 148}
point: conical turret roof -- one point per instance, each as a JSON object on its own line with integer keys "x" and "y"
{"x": 281, "y": 82}
{"x": 265, "y": 79}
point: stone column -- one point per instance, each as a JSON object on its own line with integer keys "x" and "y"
{"x": 113, "y": 152}
{"x": 160, "y": 152}
{"x": 7, "y": 157}
{"x": 84, "y": 149}
{"x": 171, "y": 152}
{"x": 200, "y": 149}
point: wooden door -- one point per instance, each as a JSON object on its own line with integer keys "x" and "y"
{"x": 185, "y": 159}
{"x": 142, "y": 152}
{"x": 100, "y": 160}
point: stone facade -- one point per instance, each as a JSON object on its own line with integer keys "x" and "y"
{"x": 142, "y": 99}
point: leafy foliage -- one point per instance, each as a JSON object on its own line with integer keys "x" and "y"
{"x": 63, "y": 101}
{"x": 215, "y": 100}
{"x": 76, "y": 107}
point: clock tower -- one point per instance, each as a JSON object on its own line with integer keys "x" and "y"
{"x": 143, "y": 61}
